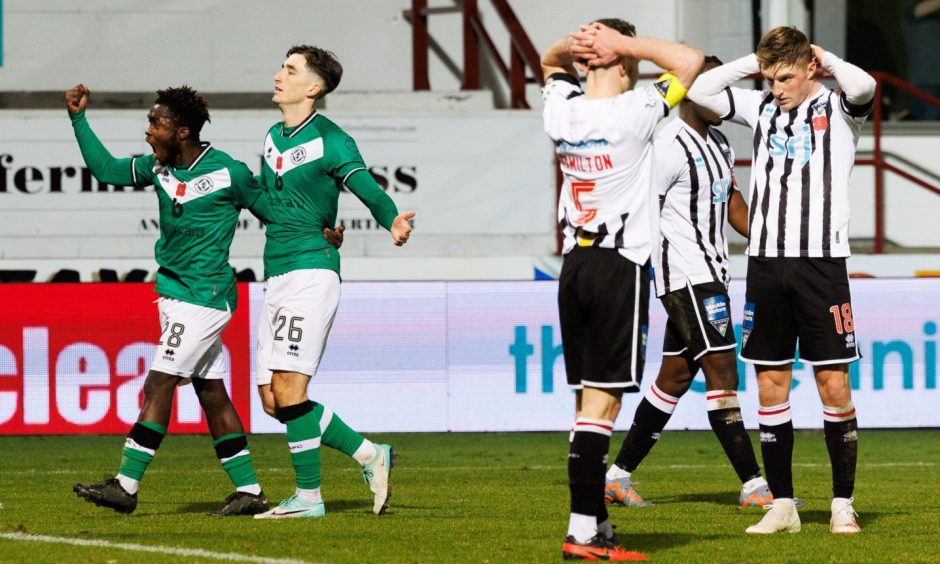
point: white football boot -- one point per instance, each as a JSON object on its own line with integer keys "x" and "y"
{"x": 782, "y": 517}
{"x": 843, "y": 517}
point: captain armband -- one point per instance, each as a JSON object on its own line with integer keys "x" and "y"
{"x": 670, "y": 89}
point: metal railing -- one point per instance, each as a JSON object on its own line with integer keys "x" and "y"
{"x": 522, "y": 53}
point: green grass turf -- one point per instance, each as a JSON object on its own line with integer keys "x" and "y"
{"x": 467, "y": 497}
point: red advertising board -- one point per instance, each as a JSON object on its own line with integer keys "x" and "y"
{"x": 73, "y": 359}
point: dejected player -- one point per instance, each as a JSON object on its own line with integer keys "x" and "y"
{"x": 805, "y": 137}
{"x": 308, "y": 159}
{"x": 603, "y": 141}
{"x": 200, "y": 191}
{"x": 697, "y": 197}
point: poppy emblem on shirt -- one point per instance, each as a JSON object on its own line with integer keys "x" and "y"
{"x": 298, "y": 155}
{"x": 820, "y": 123}
{"x": 181, "y": 189}
{"x": 279, "y": 163}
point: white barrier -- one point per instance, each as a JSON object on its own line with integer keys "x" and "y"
{"x": 487, "y": 357}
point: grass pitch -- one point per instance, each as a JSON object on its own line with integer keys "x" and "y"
{"x": 460, "y": 497}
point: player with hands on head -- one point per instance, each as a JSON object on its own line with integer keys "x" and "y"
{"x": 200, "y": 191}
{"x": 805, "y": 136}
{"x": 603, "y": 140}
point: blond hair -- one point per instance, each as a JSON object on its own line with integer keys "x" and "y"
{"x": 784, "y": 45}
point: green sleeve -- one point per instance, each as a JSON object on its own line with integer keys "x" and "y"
{"x": 251, "y": 194}
{"x": 103, "y": 166}
{"x": 343, "y": 154}
{"x": 247, "y": 189}
{"x": 383, "y": 209}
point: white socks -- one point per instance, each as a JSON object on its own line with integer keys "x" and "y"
{"x": 615, "y": 473}
{"x": 309, "y": 495}
{"x": 130, "y": 485}
{"x": 366, "y": 452}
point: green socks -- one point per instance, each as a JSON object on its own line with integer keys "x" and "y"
{"x": 140, "y": 447}
{"x": 235, "y": 456}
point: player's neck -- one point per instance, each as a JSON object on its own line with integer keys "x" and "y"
{"x": 687, "y": 115}
{"x": 814, "y": 88}
{"x": 603, "y": 83}
{"x": 189, "y": 152}
{"x": 294, "y": 114}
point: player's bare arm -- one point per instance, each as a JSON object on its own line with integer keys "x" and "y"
{"x": 737, "y": 213}
{"x": 401, "y": 228}
{"x": 558, "y": 58}
{"x": 76, "y": 98}
{"x": 599, "y": 45}
{"x": 925, "y": 8}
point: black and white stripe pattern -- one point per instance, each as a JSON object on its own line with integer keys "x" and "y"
{"x": 694, "y": 182}
{"x": 802, "y": 161}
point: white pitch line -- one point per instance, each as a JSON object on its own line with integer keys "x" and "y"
{"x": 193, "y": 552}
{"x": 33, "y": 471}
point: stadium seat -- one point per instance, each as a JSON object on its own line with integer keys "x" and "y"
{"x": 246, "y": 275}
{"x": 106, "y": 275}
{"x": 17, "y": 275}
{"x": 135, "y": 275}
{"x": 66, "y": 275}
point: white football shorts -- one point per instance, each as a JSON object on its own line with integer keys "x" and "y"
{"x": 191, "y": 342}
{"x": 298, "y": 312}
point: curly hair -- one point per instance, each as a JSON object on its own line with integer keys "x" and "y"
{"x": 784, "y": 45}
{"x": 323, "y": 63}
{"x": 187, "y": 107}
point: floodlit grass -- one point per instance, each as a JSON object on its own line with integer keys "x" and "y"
{"x": 465, "y": 497}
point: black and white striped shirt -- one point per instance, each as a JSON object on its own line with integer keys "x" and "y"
{"x": 694, "y": 181}
{"x": 802, "y": 161}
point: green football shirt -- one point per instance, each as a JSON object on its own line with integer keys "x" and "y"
{"x": 304, "y": 169}
{"x": 199, "y": 209}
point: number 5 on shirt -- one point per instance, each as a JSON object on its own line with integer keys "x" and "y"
{"x": 578, "y": 188}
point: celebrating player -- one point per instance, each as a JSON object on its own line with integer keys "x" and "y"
{"x": 308, "y": 159}
{"x": 797, "y": 288}
{"x": 200, "y": 192}
{"x": 602, "y": 136}
{"x": 696, "y": 190}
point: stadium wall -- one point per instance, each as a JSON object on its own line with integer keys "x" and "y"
{"x": 432, "y": 356}
{"x": 482, "y": 184}
{"x": 237, "y": 45}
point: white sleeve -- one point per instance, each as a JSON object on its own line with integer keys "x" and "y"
{"x": 858, "y": 87}
{"x": 558, "y": 89}
{"x": 668, "y": 166}
{"x": 641, "y": 110}
{"x": 713, "y": 90}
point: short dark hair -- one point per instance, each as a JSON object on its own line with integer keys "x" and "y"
{"x": 624, "y": 27}
{"x": 187, "y": 107}
{"x": 322, "y": 62}
{"x": 712, "y": 60}
{"x": 784, "y": 45}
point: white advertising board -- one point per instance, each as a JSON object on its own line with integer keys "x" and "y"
{"x": 481, "y": 185}
{"x": 477, "y": 356}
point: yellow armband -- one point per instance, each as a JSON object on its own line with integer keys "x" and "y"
{"x": 670, "y": 89}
